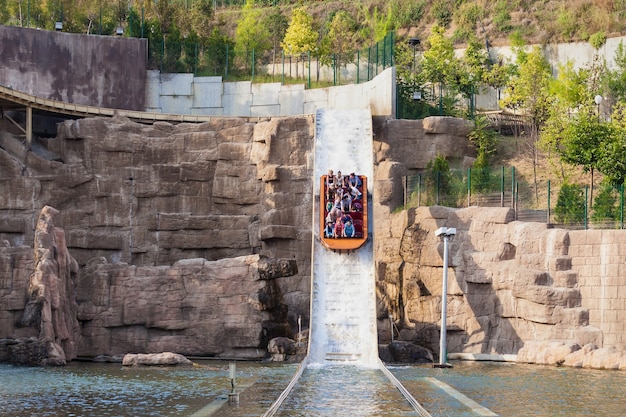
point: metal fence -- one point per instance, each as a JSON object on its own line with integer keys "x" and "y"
{"x": 569, "y": 206}
{"x": 186, "y": 56}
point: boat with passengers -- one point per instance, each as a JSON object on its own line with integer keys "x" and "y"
{"x": 343, "y": 211}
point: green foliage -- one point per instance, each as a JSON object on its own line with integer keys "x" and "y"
{"x": 483, "y": 137}
{"x": 438, "y": 61}
{"x": 342, "y": 37}
{"x": 566, "y": 22}
{"x": 597, "y": 40}
{"x": 615, "y": 79}
{"x": 277, "y": 25}
{"x": 216, "y": 47}
{"x": 584, "y": 139}
{"x": 201, "y": 16}
{"x": 606, "y": 204}
{"x": 441, "y": 11}
{"x": 300, "y": 36}
{"x": 529, "y": 88}
{"x": 502, "y": 17}
{"x": 482, "y": 179}
{"x": 438, "y": 179}
{"x": 377, "y": 24}
{"x": 407, "y": 13}
{"x": 516, "y": 39}
{"x": 612, "y": 155}
{"x": 468, "y": 16}
{"x": 250, "y": 35}
{"x": 570, "y": 205}
{"x": 570, "y": 86}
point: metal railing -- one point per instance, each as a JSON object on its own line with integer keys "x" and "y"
{"x": 273, "y": 409}
{"x": 583, "y": 208}
{"x": 185, "y": 56}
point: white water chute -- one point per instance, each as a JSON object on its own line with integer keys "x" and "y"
{"x": 343, "y": 296}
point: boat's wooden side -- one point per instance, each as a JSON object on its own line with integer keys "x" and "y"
{"x": 359, "y": 218}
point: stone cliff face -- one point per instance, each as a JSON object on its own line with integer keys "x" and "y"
{"x": 181, "y": 234}
{"x": 48, "y": 326}
{"x": 510, "y": 282}
{"x": 144, "y": 196}
{"x": 226, "y": 308}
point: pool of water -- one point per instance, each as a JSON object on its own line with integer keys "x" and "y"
{"x": 516, "y": 390}
{"x": 94, "y": 390}
{"x": 512, "y": 390}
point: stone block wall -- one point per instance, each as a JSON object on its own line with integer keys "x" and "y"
{"x": 510, "y": 283}
{"x": 599, "y": 258}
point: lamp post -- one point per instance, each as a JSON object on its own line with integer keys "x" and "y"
{"x": 414, "y": 42}
{"x": 445, "y": 234}
{"x": 598, "y": 100}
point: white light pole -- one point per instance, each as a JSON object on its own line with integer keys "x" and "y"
{"x": 598, "y": 100}
{"x": 446, "y": 234}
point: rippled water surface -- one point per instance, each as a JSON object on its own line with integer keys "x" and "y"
{"x": 345, "y": 391}
{"x": 517, "y": 390}
{"x": 88, "y": 389}
{"x": 510, "y": 390}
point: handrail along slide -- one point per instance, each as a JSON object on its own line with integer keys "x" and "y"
{"x": 15, "y": 98}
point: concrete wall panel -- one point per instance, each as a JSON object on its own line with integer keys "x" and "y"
{"x": 241, "y": 87}
{"x": 176, "y": 84}
{"x": 291, "y": 102}
{"x": 176, "y": 104}
{"x": 264, "y": 111}
{"x": 236, "y": 104}
{"x": 207, "y": 92}
{"x": 245, "y": 99}
{"x": 208, "y": 111}
{"x": 265, "y": 94}
{"x": 153, "y": 90}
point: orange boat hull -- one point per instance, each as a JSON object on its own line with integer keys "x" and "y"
{"x": 358, "y": 216}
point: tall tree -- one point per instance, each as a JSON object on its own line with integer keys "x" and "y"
{"x": 277, "y": 25}
{"x": 342, "y": 37}
{"x": 438, "y": 62}
{"x": 584, "y": 141}
{"x": 529, "y": 91}
{"x": 300, "y": 36}
{"x": 201, "y": 17}
{"x": 377, "y": 24}
{"x": 250, "y": 36}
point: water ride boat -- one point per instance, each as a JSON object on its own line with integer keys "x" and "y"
{"x": 343, "y": 211}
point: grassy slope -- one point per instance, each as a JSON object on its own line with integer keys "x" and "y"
{"x": 536, "y": 21}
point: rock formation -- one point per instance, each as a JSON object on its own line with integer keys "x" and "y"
{"x": 226, "y": 308}
{"x": 155, "y": 359}
{"x": 48, "y": 330}
{"x": 181, "y": 232}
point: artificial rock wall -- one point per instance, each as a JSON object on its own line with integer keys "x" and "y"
{"x": 138, "y": 202}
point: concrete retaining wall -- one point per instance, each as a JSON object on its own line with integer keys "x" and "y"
{"x": 101, "y": 71}
{"x": 186, "y": 94}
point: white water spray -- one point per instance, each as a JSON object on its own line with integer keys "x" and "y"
{"x": 343, "y": 297}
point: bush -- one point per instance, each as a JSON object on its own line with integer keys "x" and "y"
{"x": 605, "y": 205}
{"x": 570, "y": 205}
{"x": 438, "y": 180}
{"x": 442, "y": 11}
